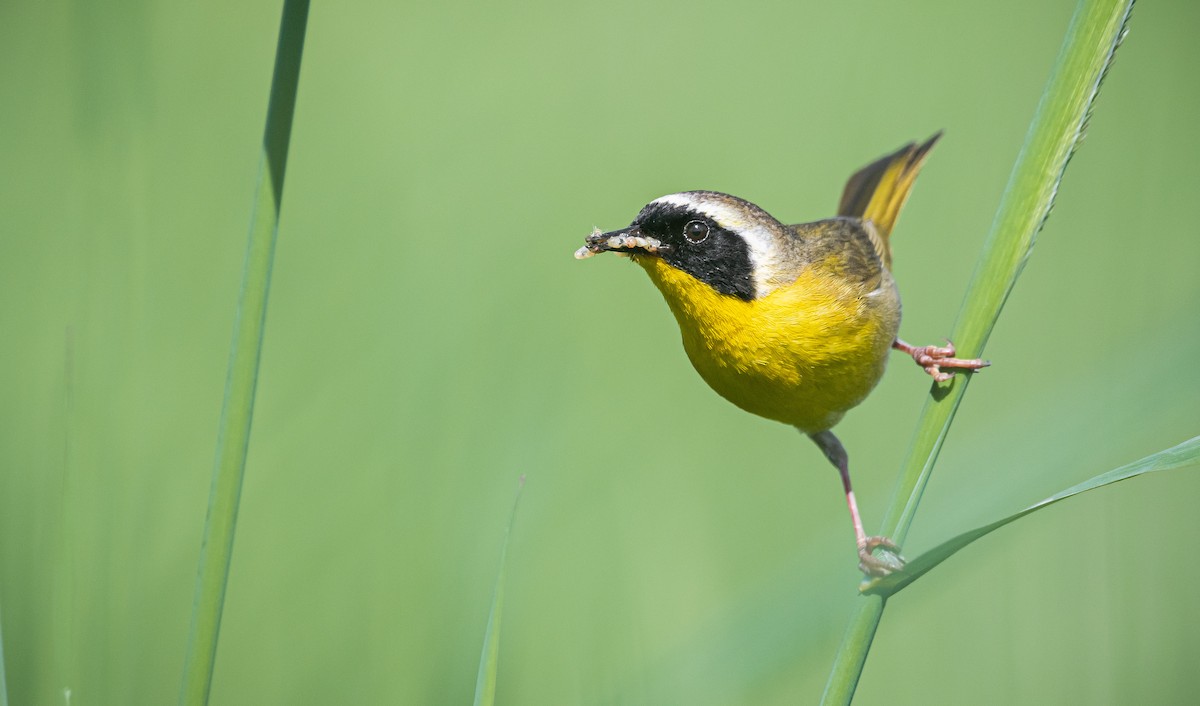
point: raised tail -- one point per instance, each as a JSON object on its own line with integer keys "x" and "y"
{"x": 878, "y": 191}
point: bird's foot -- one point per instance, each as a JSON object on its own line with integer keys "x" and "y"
{"x": 934, "y": 358}
{"x": 881, "y": 564}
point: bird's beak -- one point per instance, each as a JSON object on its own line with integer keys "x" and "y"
{"x": 626, "y": 240}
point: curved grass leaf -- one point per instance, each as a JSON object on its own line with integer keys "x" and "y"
{"x": 489, "y": 661}
{"x": 1185, "y": 454}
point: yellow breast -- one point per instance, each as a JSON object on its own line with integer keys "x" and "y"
{"x": 802, "y": 355}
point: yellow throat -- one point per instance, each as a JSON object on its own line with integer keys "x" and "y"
{"x": 802, "y": 355}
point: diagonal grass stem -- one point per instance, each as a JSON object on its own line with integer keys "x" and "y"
{"x": 233, "y": 437}
{"x": 1095, "y": 31}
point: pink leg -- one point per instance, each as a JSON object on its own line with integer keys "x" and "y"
{"x": 867, "y": 561}
{"x": 934, "y": 358}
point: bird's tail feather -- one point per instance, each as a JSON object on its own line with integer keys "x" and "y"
{"x": 878, "y": 191}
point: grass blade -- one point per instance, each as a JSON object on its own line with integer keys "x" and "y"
{"x": 1096, "y": 30}
{"x": 1185, "y": 454}
{"x": 3, "y": 681}
{"x": 489, "y": 661}
{"x": 237, "y": 411}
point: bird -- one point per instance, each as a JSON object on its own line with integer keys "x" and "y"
{"x": 793, "y": 323}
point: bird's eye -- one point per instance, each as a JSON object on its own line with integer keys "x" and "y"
{"x": 696, "y": 232}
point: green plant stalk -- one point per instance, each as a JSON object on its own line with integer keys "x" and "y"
{"x": 237, "y": 411}
{"x": 3, "y": 681}
{"x": 1058, "y": 125}
{"x": 489, "y": 660}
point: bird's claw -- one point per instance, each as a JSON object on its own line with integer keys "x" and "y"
{"x": 934, "y": 358}
{"x": 881, "y": 564}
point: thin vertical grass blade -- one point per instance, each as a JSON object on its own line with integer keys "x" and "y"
{"x": 489, "y": 661}
{"x": 3, "y": 681}
{"x": 1096, "y": 30}
{"x": 237, "y": 412}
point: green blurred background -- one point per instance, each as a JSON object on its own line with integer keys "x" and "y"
{"x": 430, "y": 339}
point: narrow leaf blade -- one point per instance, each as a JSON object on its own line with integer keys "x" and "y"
{"x": 489, "y": 661}
{"x": 237, "y": 411}
{"x": 3, "y": 682}
{"x": 1185, "y": 454}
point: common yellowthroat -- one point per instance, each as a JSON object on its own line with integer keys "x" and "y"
{"x": 792, "y": 323}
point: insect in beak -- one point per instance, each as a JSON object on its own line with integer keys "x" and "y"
{"x": 628, "y": 240}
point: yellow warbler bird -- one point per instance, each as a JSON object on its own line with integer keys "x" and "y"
{"x": 789, "y": 322}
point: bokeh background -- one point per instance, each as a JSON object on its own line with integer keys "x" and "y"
{"x": 430, "y": 339}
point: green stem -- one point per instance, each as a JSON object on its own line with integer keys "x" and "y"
{"x": 237, "y": 412}
{"x": 3, "y": 681}
{"x": 489, "y": 660}
{"x": 1095, "y": 32}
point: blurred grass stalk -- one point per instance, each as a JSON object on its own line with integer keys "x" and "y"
{"x": 1096, "y": 30}
{"x": 234, "y": 431}
{"x": 3, "y": 681}
{"x": 489, "y": 660}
